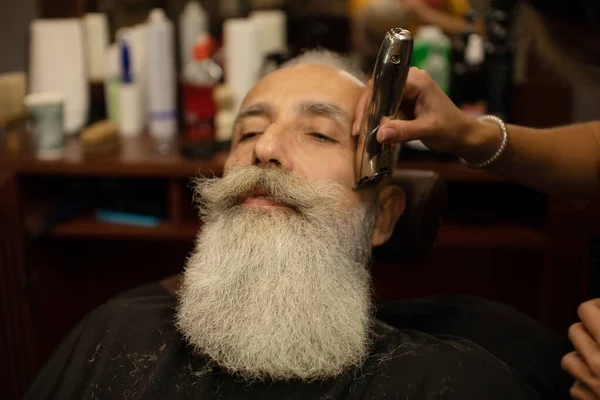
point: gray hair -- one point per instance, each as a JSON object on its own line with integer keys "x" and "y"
{"x": 329, "y": 58}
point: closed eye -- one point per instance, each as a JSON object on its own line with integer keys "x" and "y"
{"x": 248, "y": 135}
{"x": 322, "y": 137}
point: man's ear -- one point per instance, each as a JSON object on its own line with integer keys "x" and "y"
{"x": 392, "y": 202}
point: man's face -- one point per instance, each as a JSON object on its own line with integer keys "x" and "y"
{"x": 278, "y": 285}
{"x": 300, "y": 117}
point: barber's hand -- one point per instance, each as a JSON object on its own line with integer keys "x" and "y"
{"x": 432, "y": 116}
{"x": 584, "y": 363}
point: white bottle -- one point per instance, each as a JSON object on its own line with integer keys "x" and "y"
{"x": 139, "y": 37}
{"x": 475, "y": 52}
{"x": 243, "y": 56}
{"x": 193, "y": 22}
{"x": 161, "y": 84}
{"x": 272, "y": 25}
{"x": 131, "y": 120}
{"x": 224, "y": 121}
{"x": 95, "y": 27}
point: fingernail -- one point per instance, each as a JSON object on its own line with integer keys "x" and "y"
{"x": 385, "y": 135}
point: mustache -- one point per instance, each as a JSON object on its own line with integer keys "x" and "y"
{"x": 221, "y": 194}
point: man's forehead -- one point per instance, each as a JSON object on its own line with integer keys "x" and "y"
{"x": 352, "y": 78}
{"x": 312, "y": 68}
{"x": 308, "y": 82}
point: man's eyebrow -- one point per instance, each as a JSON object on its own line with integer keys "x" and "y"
{"x": 254, "y": 110}
{"x": 328, "y": 110}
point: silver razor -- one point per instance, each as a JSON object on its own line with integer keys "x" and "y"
{"x": 389, "y": 79}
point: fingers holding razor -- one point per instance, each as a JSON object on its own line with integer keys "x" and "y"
{"x": 431, "y": 116}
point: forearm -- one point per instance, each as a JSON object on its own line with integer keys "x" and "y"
{"x": 564, "y": 160}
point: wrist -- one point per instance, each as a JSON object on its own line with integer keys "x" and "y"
{"x": 480, "y": 140}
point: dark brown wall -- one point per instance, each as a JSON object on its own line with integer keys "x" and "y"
{"x": 15, "y": 16}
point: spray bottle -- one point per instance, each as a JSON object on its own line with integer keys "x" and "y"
{"x": 193, "y": 22}
{"x": 162, "y": 90}
{"x": 131, "y": 122}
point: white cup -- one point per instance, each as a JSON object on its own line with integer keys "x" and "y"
{"x": 47, "y": 113}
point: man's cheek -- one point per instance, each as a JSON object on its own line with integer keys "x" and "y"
{"x": 339, "y": 170}
{"x": 235, "y": 159}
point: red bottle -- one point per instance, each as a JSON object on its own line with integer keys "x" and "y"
{"x": 199, "y": 80}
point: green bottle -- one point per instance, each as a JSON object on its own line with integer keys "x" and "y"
{"x": 432, "y": 51}
{"x": 112, "y": 83}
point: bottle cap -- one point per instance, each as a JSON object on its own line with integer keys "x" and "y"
{"x": 432, "y": 34}
{"x": 157, "y": 15}
{"x": 203, "y": 48}
{"x": 194, "y": 9}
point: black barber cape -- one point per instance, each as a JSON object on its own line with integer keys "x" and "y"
{"x": 130, "y": 349}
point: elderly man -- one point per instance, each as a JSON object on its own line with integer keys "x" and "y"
{"x": 275, "y": 300}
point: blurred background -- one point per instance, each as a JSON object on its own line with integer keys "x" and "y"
{"x": 109, "y": 107}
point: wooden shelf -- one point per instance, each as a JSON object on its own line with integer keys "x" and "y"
{"x": 490, "y": 236}
{"x": 135, "y": 157}
{"x": 449, "y": 236}
{"x": 87, "y": 226}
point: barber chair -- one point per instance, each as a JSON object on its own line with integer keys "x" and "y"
{"x": 416, "y": 231}
{"x": 531, "y": 349}
{"x": 415, "y": 234}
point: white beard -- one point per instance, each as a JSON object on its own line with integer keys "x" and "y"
{"x": 278, "y": 294}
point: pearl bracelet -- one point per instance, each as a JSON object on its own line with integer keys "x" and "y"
{"x": 498, "y": 152}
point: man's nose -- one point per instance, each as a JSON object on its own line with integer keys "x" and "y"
{"x": 270, "y": 149}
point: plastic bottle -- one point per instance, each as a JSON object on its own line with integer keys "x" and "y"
{"x": 224, "y": 121}
{"x": 130, "y": 106}
{"x": 202, "y": 70}
{"x": 193, "y": 22}
{"x": 112, "y": 80}
{"x": 475, "y": 53}
{"x": 225, "y": 117}
{"x": 475, "y": 87}
{"x": 199, "y": 79}
{"x": 139, "y": 60}
{"x": 432, "y": 53}
{"x": 162, "y": 93}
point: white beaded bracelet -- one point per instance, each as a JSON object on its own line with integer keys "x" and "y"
{"x": 498, "y": 152}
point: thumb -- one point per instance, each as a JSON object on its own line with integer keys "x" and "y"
{"x": 399, "y": 131}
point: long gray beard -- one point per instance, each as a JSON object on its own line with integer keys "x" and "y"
{"x": 277, "y": 294}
